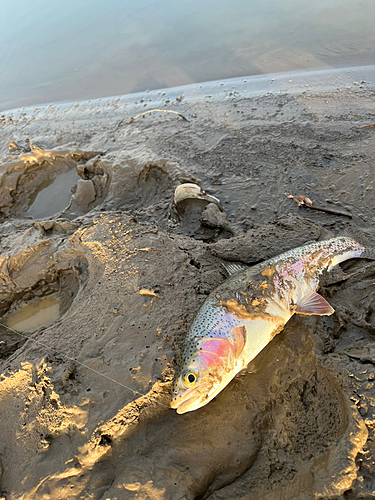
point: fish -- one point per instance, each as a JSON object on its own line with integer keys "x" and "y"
{"x": 243, "y": 314}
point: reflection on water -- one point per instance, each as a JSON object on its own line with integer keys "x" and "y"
{"x": 53, "y": 195}
{"x": 66, "y": 50}
{"x": 35, "y": 315}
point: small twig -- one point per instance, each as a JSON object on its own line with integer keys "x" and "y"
{"x": 368, "y": 126}
{"x": 216, "y": 180}
{"x": 302, "y": 202}
{"x": 328, "y": 211}
{"x": 151, "y": 111}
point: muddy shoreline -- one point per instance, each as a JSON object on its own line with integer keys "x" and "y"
{"x": 129, "y": 275}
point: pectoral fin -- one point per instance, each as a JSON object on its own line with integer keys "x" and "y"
{"x": 239, "y": 335}
{"x": 314, "y": 304}
{"x": 212, "y": 351}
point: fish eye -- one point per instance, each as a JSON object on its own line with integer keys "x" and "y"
{"x": 190, "y": 378}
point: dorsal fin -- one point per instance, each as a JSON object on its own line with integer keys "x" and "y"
{"x": 234, "y": 268}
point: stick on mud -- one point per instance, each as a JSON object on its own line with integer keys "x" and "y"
{"x": 368, "y": 126}
{"x": 151, "y": 111}
{"x": 306, "y": 202}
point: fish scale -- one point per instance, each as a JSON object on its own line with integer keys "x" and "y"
{"x": 243, "y": 314}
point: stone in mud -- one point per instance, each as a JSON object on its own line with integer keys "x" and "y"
{"x": 85, "y": 193}
{"x": 213, "y": 217}
{"x": 59, "y": 226}
{"x": 194, "y": 211}
{"x": 47, "y": 225}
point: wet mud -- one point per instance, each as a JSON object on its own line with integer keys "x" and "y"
{"x": 37, "y": 183}
{"x": 118, "y": 274}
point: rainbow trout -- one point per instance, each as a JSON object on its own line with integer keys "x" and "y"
{"x": 242, "y": 315}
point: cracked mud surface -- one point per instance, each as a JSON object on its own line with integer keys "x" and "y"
{"x": 299, "y": 422}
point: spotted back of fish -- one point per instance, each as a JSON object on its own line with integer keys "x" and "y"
{"x": 326, "y": 254}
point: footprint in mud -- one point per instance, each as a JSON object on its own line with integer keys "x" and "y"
{"x": 145, "y": 189}
{"x": 34, "y": 315}
{"x": 37, "y": 289}
{"x": 43, "y": 305}
{"x": 153, "y": 183}
{"x": 37, "y": 183}
{"x": 146, "y": 192}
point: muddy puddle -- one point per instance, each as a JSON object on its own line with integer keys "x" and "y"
{"x": 45, "y": 303}
{"x": 106, "y": 256}
{"x": 31, "y": 317}
{"x": 36, "y": 182}
{"x": 53, "y": 196}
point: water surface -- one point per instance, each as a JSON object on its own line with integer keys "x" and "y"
{"x": 68, "y": 50}
{"x": 35, "y": 315}
{"x": 53, "y": 195}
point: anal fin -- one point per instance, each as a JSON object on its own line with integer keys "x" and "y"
{"x": 314, "y": 304}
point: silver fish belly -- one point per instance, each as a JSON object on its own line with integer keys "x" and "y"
{"x": 243, "y": 314}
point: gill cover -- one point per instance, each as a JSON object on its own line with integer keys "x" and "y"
{"x": 207, "y": 373}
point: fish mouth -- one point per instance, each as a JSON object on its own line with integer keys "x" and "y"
{"x": 195, "y": 400}
{"x": 191, "y": 401}
{"x": 183, "y": 406}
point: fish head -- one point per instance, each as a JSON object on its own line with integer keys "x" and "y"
{"x": 202, "y": 375}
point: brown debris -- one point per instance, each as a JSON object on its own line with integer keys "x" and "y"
{"x": 305, "y": 200}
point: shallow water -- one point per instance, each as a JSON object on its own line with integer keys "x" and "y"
{"x": 74, "y": 50}
{"x": 35, "y": 315}
{"x": 54, "y": 195}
